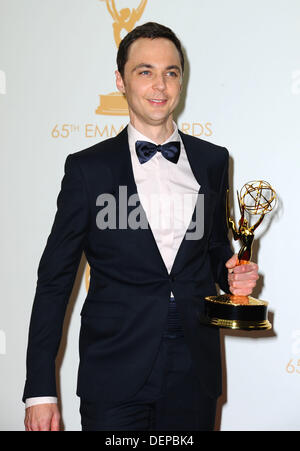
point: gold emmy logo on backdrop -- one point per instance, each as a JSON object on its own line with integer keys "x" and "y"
{"x": 114, "y": 104}
{"x": 243, "y": 312}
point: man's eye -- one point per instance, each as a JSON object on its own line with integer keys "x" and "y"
{"x": 145, "y": 72}
{"x": 172, "y": 74}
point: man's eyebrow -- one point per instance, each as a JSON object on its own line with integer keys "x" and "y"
{"x": 174, "y": 66}
{"x": 139, "y": 66}
{"x": 150, "y": 66}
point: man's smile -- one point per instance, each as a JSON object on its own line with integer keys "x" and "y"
{"x": 158, "y": 101}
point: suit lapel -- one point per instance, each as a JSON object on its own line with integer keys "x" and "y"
{"x": 125, "y": 177}
{"x": 192, "y": 152}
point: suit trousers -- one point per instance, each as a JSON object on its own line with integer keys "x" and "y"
{"x": 171, "y": 399}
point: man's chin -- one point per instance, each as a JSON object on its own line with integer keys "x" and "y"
{"x": 159, "y": 119}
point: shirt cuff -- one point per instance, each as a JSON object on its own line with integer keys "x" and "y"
{"x": 40, "y": 400}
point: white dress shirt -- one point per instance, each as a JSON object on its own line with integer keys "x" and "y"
{"x": 168, "y": 193}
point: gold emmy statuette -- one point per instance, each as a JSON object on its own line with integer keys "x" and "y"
{"x": 243, "y": 312}
{"x": 115, "y": 104}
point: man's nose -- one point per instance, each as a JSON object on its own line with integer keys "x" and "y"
{"x": 159, "y": 82}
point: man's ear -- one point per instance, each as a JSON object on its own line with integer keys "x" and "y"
{"x": 119, "y": 82}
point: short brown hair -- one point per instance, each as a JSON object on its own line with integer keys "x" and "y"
{"x": 150, "y": 30}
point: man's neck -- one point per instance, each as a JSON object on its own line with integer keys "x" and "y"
{"x": 158, "y": 134}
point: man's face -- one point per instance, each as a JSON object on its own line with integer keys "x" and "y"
{"x": 152, "y": 81}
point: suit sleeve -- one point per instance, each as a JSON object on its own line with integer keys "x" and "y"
{"x": 56, "y": 274}
{"x": 219, "y": 245}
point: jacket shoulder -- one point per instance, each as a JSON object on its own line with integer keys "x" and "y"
{"x": 203, "y": 145}
{"x": 100, "y": 156}
{"x": 101, "y": 150}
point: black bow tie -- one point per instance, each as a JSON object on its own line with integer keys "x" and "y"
{"x": 145, "y": 150}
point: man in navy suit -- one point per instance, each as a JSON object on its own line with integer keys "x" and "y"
{"x": 146, "y": 363}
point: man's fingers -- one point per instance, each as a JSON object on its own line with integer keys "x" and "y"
{"x": 232, "y": 262}
{"x": 243, "y": 292}
{"x": 242, "y": 278}
{"x": 40, "y": 425}
{"x": 233, "y": 265}
{"x": 235, "y": 277}
{"x": 249, "y": 267}
{"x": 55, "y": 423}
{"x": 243, "y": 285}
{"x": 43, "y": 417}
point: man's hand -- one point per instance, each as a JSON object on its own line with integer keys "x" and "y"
{"x": 241, "y": 278}
{"x": 42, "y": 417}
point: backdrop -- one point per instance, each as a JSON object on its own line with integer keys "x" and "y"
{"x": 242, "y": 91}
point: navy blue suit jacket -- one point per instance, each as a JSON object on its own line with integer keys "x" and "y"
{"x": 125, "y": 310}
